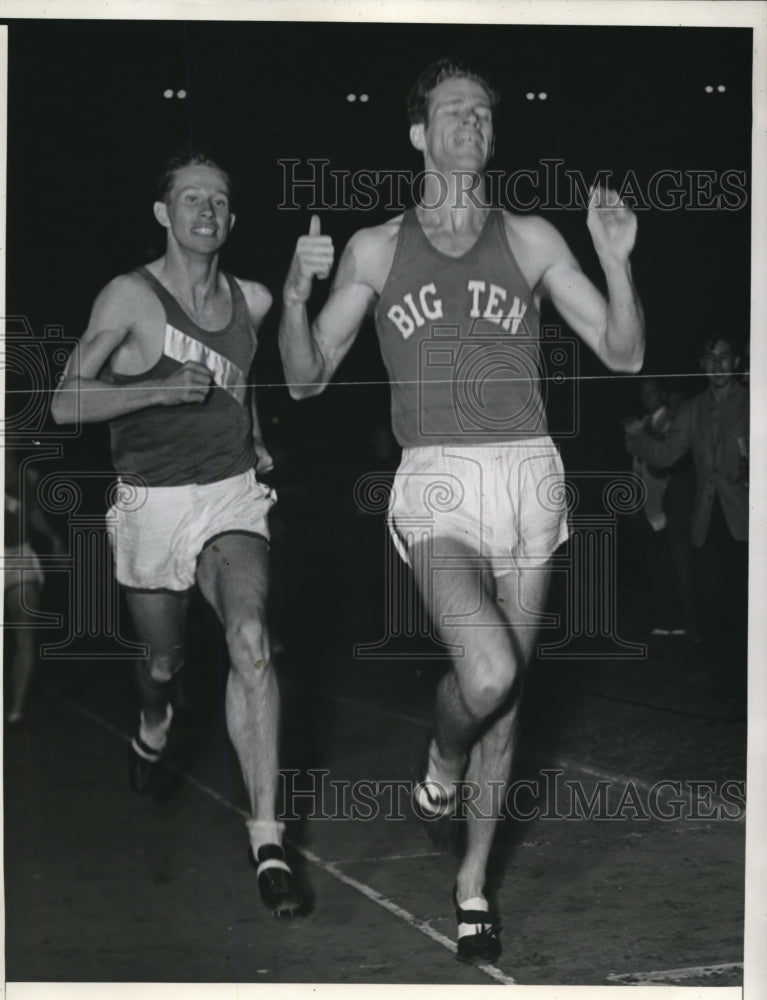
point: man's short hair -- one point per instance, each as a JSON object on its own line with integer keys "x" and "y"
{"x": 724, "y": 338}
{"x": 433, "y": 76}
{"x": 177, "y": 161}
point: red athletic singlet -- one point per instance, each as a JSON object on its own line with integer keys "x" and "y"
{"x": 459, "y": 337}
{"x": 191, "y": 442}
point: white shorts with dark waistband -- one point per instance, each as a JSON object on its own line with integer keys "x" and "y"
{"x": 159, "y": 532}
{"x": 505, "y": 502}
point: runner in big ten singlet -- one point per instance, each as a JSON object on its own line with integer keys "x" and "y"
{"x": 165, "y": 359}
{"x": 455, "y": 289}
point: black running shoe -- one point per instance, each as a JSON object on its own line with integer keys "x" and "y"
{"x": 276, "y": 882}
{"x": 478, "y": 940}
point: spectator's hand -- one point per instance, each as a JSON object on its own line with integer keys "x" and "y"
{"x": 632, "y": 426}
{"x": 613, "y": 226}
{"x": 313, "y": 259}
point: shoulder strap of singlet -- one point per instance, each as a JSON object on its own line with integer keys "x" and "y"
{"x": 173, "y": 311}
{"x": 496, "y": 230}
{"x": 406, "y": 226}
{"x": 177, "y": 317}
{"x": 240, "y": 310}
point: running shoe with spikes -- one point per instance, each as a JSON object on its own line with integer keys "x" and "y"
{"x": 478, "y": 940}
{"x": 276, "y": 882}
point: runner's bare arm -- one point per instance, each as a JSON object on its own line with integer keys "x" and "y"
{"x": 83, "y": 397}
{"x": 614, "y": 329}
{"x": 259, "y": 302}
{"x": 311, "y": 354}
{"x": 258, "y": 299}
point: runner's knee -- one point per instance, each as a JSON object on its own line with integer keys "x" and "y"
{"x": 248, "y": 645}
{"x": 162, "y": 667}
{"x": 488, "y": 683}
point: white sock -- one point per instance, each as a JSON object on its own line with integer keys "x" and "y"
{"x": 156, "y": 736}
{"x": 264, "y": 831}
{"x": 475, "y": 903}
{"x": 470, "y": 929}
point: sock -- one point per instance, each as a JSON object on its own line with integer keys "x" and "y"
{"x": 157, "y": 736}
{"x": 264, "y": 831}
{"x": 475, "y": 903}
{"x": 438, "y": 772}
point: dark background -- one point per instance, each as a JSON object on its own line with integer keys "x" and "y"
{"x": 88, "y": 125}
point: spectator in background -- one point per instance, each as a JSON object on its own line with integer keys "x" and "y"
{"x": 27, "y": 530}
{"x": 663, "y": 594}
{"x": 714, "y": 427}
{"x": 678, "y": 500}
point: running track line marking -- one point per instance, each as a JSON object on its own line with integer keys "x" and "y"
{"x": 328, "y": 867}
{"x": 565, "y": 763}
{"x": 635, "y": 978}
{"x": 388, "y": 857}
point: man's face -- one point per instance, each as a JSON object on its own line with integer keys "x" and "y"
{"x": 719, "y": 363}
{"x": 459, "y": 130}
{"x": 651, "y": 396}
{"x": 197, "y": 210}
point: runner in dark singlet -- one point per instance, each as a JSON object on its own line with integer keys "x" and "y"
{"x": 466, "y": 408}
{"x": 165, "y": 360}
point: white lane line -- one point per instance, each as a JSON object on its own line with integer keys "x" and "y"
{"x": 420, "y": 925}
{"x": 329, "y": 868}
{"x": 565, "y": 763}
{"x": 388, "y": 857}
{"x": 694, "y": 972}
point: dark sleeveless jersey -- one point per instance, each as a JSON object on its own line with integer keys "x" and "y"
{"x": 459, "y": 337}
{"x": 191, "y": 442}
